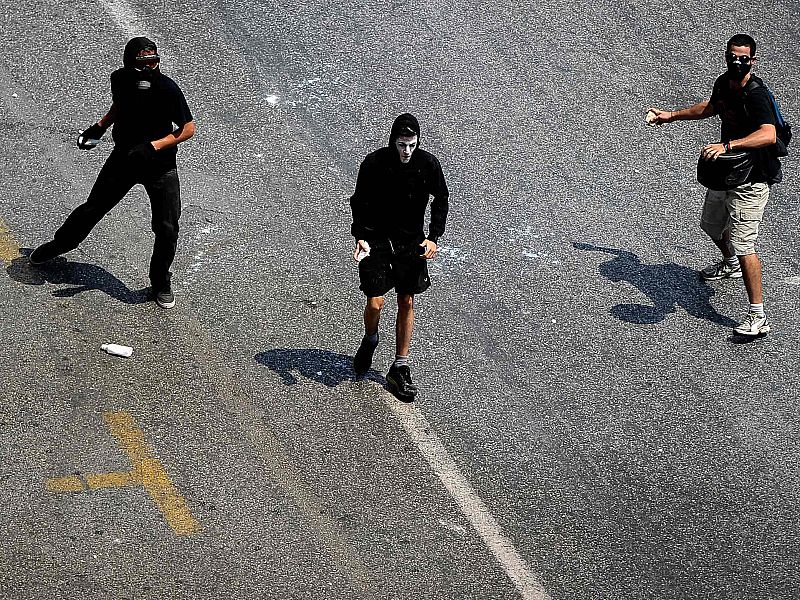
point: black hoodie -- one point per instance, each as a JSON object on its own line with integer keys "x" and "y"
{"x": 391, "y": 197}
{"x": 132, "y": 49}
{"x": 145, "y": 115}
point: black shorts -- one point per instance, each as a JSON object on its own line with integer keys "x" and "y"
{"x": 394, "y": 265}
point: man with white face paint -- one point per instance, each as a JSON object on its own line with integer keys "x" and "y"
{"x": 392, "y": 192}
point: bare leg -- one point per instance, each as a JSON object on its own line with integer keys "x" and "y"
{"x": 372, "y": 314}
{"x": 405, "y": 323}
{"x": 751, "y": 273}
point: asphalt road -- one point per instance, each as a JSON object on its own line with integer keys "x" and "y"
{"x": 582, "y": 382}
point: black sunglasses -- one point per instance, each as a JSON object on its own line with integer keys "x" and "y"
{"x": 744, "y": 59}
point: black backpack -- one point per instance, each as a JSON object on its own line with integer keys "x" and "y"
{"x": 783, "y": 130}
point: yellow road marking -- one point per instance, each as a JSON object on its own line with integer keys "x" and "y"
{"x": 70, "y": 483}
{"x": 147, "y": 472}
{"x": 109, "y": 480}
{"x": 151, "y": 474}
{"x": 9, "y": 249}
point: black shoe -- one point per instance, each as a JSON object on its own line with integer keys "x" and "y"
{"x": 165, "y": 298}
{"x": 399, "y": 378}
{"x": 362, "y": 361}
{"x": 45, "y": 252}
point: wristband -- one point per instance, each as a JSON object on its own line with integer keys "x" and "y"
{"x": 727, "y": 146}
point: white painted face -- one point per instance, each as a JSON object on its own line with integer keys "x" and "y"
{"x": 406, "y": 144}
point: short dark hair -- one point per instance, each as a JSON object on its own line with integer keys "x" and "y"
{"x": 742, "y": 39}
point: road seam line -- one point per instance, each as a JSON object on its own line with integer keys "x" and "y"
{"x": 125, "y": 17}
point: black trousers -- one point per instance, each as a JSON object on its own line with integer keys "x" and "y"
{"x": 116, "y": 179}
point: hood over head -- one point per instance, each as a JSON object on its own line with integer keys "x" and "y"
{"x": 133, "y": 47}
{"x": 405, "y": 124}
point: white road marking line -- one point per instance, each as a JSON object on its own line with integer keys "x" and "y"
{"x": 125, "y": 17}
{"x": 422, "y": 434}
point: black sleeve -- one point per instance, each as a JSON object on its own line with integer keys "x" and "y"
{"x": 715, "y": 93}
{"x": 359, "y": 201}
{"x": 759, "y": 107}
{"x": 440, "y": 204}
{"x": 179, "y": 109}
{"x": 115, "y": 87}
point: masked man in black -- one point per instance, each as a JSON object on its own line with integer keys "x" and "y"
{"x": 150, "y": 118}
{"x": 732, "y": 217}
{"x": 392, "y": 192}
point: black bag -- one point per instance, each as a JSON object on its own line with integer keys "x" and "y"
{"x": 728, "y": 171}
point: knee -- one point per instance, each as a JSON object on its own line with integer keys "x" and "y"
{"x": 165, "y": 230}
{"x": 405, "y": 302}
{"x": 713, "y": 230}
{"x": 375, "y": 304}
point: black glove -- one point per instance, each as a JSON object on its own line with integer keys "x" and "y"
{"x": 141, "y": 155}
{"x": 89, "y": 137}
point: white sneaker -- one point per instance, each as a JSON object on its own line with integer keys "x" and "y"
{"x": 753, "y": 324}
{"x": 721, "y": 270}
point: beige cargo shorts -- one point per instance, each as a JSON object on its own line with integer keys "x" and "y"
{"x": 740, "y": 210}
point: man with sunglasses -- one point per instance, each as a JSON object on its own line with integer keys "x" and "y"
{"x": 392, "y": 192}
{"x": 150, "y": 118}
{"x": 731, "y": 218}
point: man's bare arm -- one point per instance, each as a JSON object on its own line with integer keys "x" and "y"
{"x": 765, "y": 135}
{"x": 176, "y": 137}
{"x": 108, "y": 119}
{"x": 701, "y": 110}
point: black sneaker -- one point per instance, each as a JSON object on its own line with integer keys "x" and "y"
{"x": 165, "y": 298}
{"x": 45, "y": 252}
{"x": 362, "y": 361}
{"x": 399, "y": 378}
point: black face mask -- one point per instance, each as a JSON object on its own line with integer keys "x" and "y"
{"x": 143, "y": 69}
{"x": 738, "y": 66}
{"x": 145, "y": 76}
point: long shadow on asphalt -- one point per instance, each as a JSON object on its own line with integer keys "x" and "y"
{"x": 322, "y": 366}
{"x": 667, "y": 285}
{"x": 81, "y": 277}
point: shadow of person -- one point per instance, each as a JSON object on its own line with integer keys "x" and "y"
{"x": 739, "y": 339}
{"x": 322, "y": 366}
{"x": 82, "y": 277}
{"x": 667, "y": 286}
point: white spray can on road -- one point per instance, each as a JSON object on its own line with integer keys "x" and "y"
{"x": 117, "y": 350}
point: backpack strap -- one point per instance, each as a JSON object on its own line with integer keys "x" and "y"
{"x": 753, "y": 83}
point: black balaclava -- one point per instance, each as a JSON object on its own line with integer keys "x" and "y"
{"x": 405, "y": 124}
{"x": 143, "y": 76}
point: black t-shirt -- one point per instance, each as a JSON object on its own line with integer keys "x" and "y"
{"x": 145, "y": 115}
{"x": 742, "y": 112}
